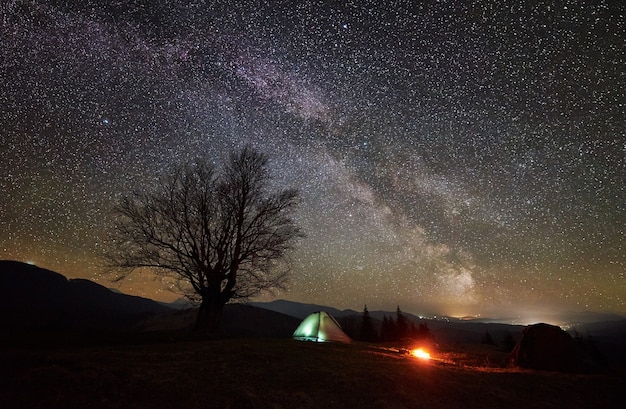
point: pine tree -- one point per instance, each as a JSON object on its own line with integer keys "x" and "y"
{"x": 423, "y": 332}
{"x": 367, "y": 331}
{"x": 402, "y": 325}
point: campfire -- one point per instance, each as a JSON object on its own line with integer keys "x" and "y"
{"x": 420, "y": 353}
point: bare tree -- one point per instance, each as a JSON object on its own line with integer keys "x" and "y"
{"x": 220, "y": 234}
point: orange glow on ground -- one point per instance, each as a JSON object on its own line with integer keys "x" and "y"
{"x": 420, "y": 353}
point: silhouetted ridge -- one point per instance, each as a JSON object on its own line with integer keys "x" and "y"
{"x": 35, "y": 298}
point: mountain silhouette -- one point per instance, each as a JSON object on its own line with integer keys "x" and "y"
{"x": 33, "y": 298}
{"x": 300, "y": 310}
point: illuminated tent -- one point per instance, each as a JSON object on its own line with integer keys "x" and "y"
{"x": 320, "y": 327}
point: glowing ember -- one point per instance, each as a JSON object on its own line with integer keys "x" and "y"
{"x": 420, "y": 353}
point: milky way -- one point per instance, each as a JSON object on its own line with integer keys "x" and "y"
{"x": 453, "y": 157}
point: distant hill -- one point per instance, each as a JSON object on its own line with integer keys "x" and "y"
{"x": 601, "y": 331}
{"x": 300, "y": 310}
{"x": 445, "y": 329}
{"x": 242, "y": 320}
{"x": 36, "y": 299}
{"x": 33, "y": 298}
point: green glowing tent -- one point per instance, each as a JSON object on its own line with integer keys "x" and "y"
{"x": 320, "y": 327}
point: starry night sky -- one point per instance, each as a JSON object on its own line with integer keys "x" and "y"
{"x": 453, "y": 156}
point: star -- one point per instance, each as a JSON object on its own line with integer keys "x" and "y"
{"x": 455, "y": 158}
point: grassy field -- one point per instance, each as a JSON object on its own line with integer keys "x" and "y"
{"x": 259, "y": 373}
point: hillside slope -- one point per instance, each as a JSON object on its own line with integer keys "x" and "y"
{"x": 33, "y": 298}
{"x": 265, "y": 374}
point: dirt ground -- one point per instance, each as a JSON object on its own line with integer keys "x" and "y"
{"x": 258, "y": 373}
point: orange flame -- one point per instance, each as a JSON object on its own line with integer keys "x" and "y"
{"x": 420, "y": 353}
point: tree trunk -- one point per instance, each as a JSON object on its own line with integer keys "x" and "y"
{"x": 209, "y": 314}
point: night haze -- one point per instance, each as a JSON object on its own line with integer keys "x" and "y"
{"x": 458, "y": 158}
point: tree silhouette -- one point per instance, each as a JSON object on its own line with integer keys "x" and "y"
{"x": 219, "y": 233}
{"x": 367, "y": 332}
{"x": 423, "y": 332}
{"x": 402, "y": 325}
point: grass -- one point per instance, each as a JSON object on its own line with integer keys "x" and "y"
{"x": 260, "y": 373}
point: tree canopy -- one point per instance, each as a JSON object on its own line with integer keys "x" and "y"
{"x": 220, "y": 233}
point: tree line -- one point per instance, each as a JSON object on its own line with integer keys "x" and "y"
{"x": 392, "y": 329}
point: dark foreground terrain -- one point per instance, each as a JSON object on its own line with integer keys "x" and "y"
{"x": 164, "y": 372}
